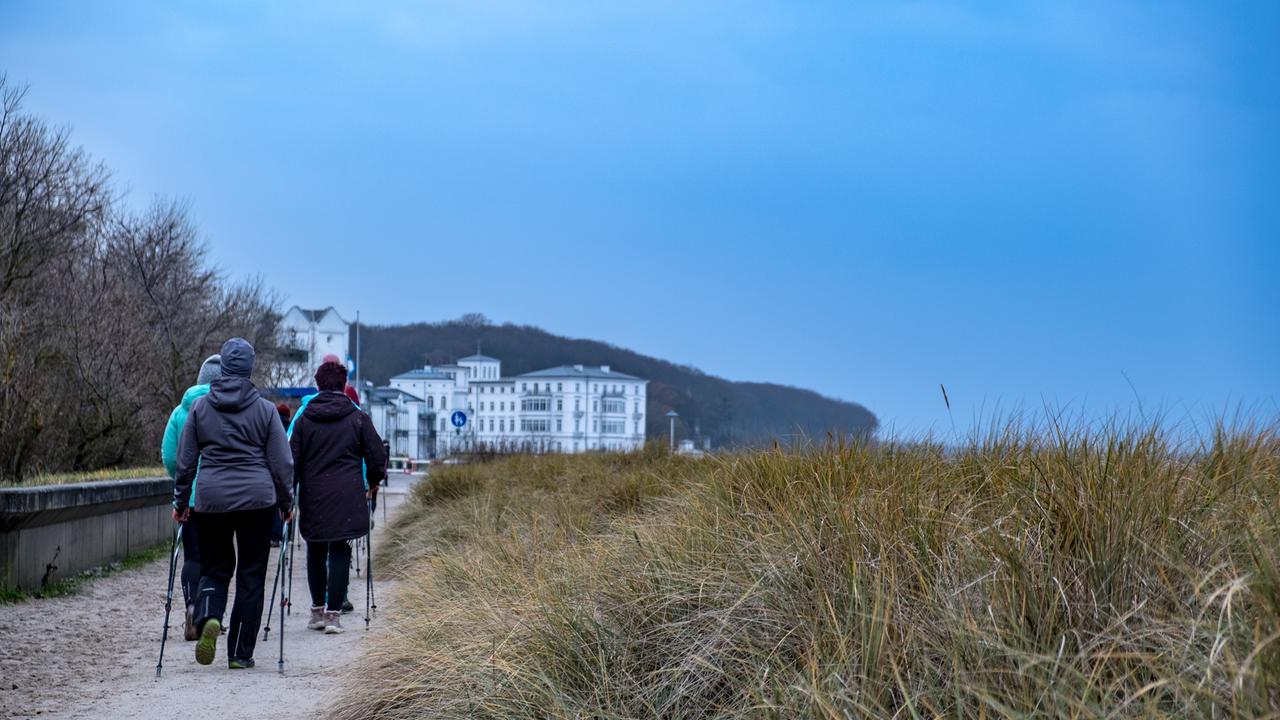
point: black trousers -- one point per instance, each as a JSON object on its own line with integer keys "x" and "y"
{"x": 328, "y": 572}
{"x": 190, "y": 561}
{"x": 220, "y": 534}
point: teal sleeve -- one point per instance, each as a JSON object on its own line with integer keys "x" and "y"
{"x": 297, "y": 414}
{"x": 169, "y": 444}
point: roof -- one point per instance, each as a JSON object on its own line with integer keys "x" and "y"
{"x": 313, "y": 316}
{"x": 421, "y": 374}
{"x": 390, "y": 393}
{"x": 586, "y": 371}
{"x": 478, "y": 358}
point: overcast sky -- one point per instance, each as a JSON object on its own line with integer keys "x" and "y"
{"x": 1073, "y": 205}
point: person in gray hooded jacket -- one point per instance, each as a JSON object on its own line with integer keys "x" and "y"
{"x": 235, "y": 439}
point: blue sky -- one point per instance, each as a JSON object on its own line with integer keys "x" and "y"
{"x": 1026, "y": 202}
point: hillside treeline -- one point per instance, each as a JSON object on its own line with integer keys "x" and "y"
{"x": 732, "y": 414}
{"x": 105, "y": 313}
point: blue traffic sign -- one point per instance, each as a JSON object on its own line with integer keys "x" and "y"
{"x": 458, "y": 418}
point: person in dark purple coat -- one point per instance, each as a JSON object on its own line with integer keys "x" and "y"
{"x": 337, "y": 456}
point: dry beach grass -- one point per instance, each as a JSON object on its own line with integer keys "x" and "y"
{"x": 1046, "y": 573}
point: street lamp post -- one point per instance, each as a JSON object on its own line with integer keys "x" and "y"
{"x": 672, "y": 417}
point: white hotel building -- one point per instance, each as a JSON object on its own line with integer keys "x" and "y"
{"x": 571, "y": 408}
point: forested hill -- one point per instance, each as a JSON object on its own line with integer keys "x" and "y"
{"x": 729, "y": 413}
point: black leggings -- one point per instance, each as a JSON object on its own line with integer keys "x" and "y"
{"x": 328, "y": 572}
{"x": 221, "y": 536}
{"x": 190, "y": 561}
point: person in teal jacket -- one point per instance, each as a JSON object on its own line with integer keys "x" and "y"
{"x": 210, "y": 370}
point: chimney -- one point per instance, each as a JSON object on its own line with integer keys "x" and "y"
{"x": 578, "y": 368}
{"x": 604, "y": 368}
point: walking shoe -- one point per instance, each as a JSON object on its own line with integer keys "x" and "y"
{"x": 332, "y": 622}
{"x": 189, "y": 629}
{"x": 207, "y": 645}
{"x": 317, "y": 618}
{"x": 240, "y": 663}
{"x": 347, "y": 606}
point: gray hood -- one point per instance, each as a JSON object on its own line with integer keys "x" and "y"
{"x": 231, "y": 394}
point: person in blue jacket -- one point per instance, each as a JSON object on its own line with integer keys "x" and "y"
{"x": 210, "y": 369}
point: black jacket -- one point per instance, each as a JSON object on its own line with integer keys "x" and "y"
{"x": 234, "y": 438}
{"x": 335, "y": 448}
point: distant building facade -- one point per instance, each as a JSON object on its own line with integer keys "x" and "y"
{"x": 569, "y": 409}
{"x": 306, "y": 337}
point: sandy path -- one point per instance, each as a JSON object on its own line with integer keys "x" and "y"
{"x": 54, "y": 663}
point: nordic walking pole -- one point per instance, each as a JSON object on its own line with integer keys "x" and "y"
{"x": 369, "y": 602}
{"x": 296, "y": 489}
{"x": 285, "y": 601}
{"x": 271, "y": 606}
{"x": 168, "y": 600}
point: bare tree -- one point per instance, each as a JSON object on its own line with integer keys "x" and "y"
{"x": 104, "y": 315}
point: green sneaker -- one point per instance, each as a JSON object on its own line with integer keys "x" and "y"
{"x": 240, "y": 663}
{"x": 207, "y": 645}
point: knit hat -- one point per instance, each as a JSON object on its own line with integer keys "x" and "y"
{"x": 331, "y": 377}
{"x": 210, "y": 370}
{"x": 237, "y": 358}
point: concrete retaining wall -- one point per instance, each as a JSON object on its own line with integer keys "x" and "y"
{"x": 53, "y": 532}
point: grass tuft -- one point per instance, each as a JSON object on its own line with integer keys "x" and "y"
{"x": 87, "y": 476}
{"x": 1061, "y": 573}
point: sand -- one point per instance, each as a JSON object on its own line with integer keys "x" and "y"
{"x": 93, "y": 655}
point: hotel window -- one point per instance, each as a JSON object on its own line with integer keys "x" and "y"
{"x": 615, "y": 427}
{"x": 577, "y": 387}
{"x": 535, "y": 404}
{"x": 444, "y": 403}
{"x": 502, "y": 425}
{"x": 577, "y": 404}
{"x": 431, "y": 403}
{"x": 490, "y": 424}
{"x": 614, "y": 405}
{"x": 595, "y": 406}
{"x": 595, "y": 426}
{"x": 559, "y": 425}
{"x": 490, "y": 406}
{"x": 548, "y": 387}
{"x": 559, "y": 387}
{"x": 524, "y": 387}
{"x": 559, "y": 404}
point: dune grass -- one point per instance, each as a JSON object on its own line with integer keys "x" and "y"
{"x": 1080, "y": 574}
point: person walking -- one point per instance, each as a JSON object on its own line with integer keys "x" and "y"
{"x": 210, "y": 370}
{"x": 334, "y": 444}
{"x": 235, "y": 439}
